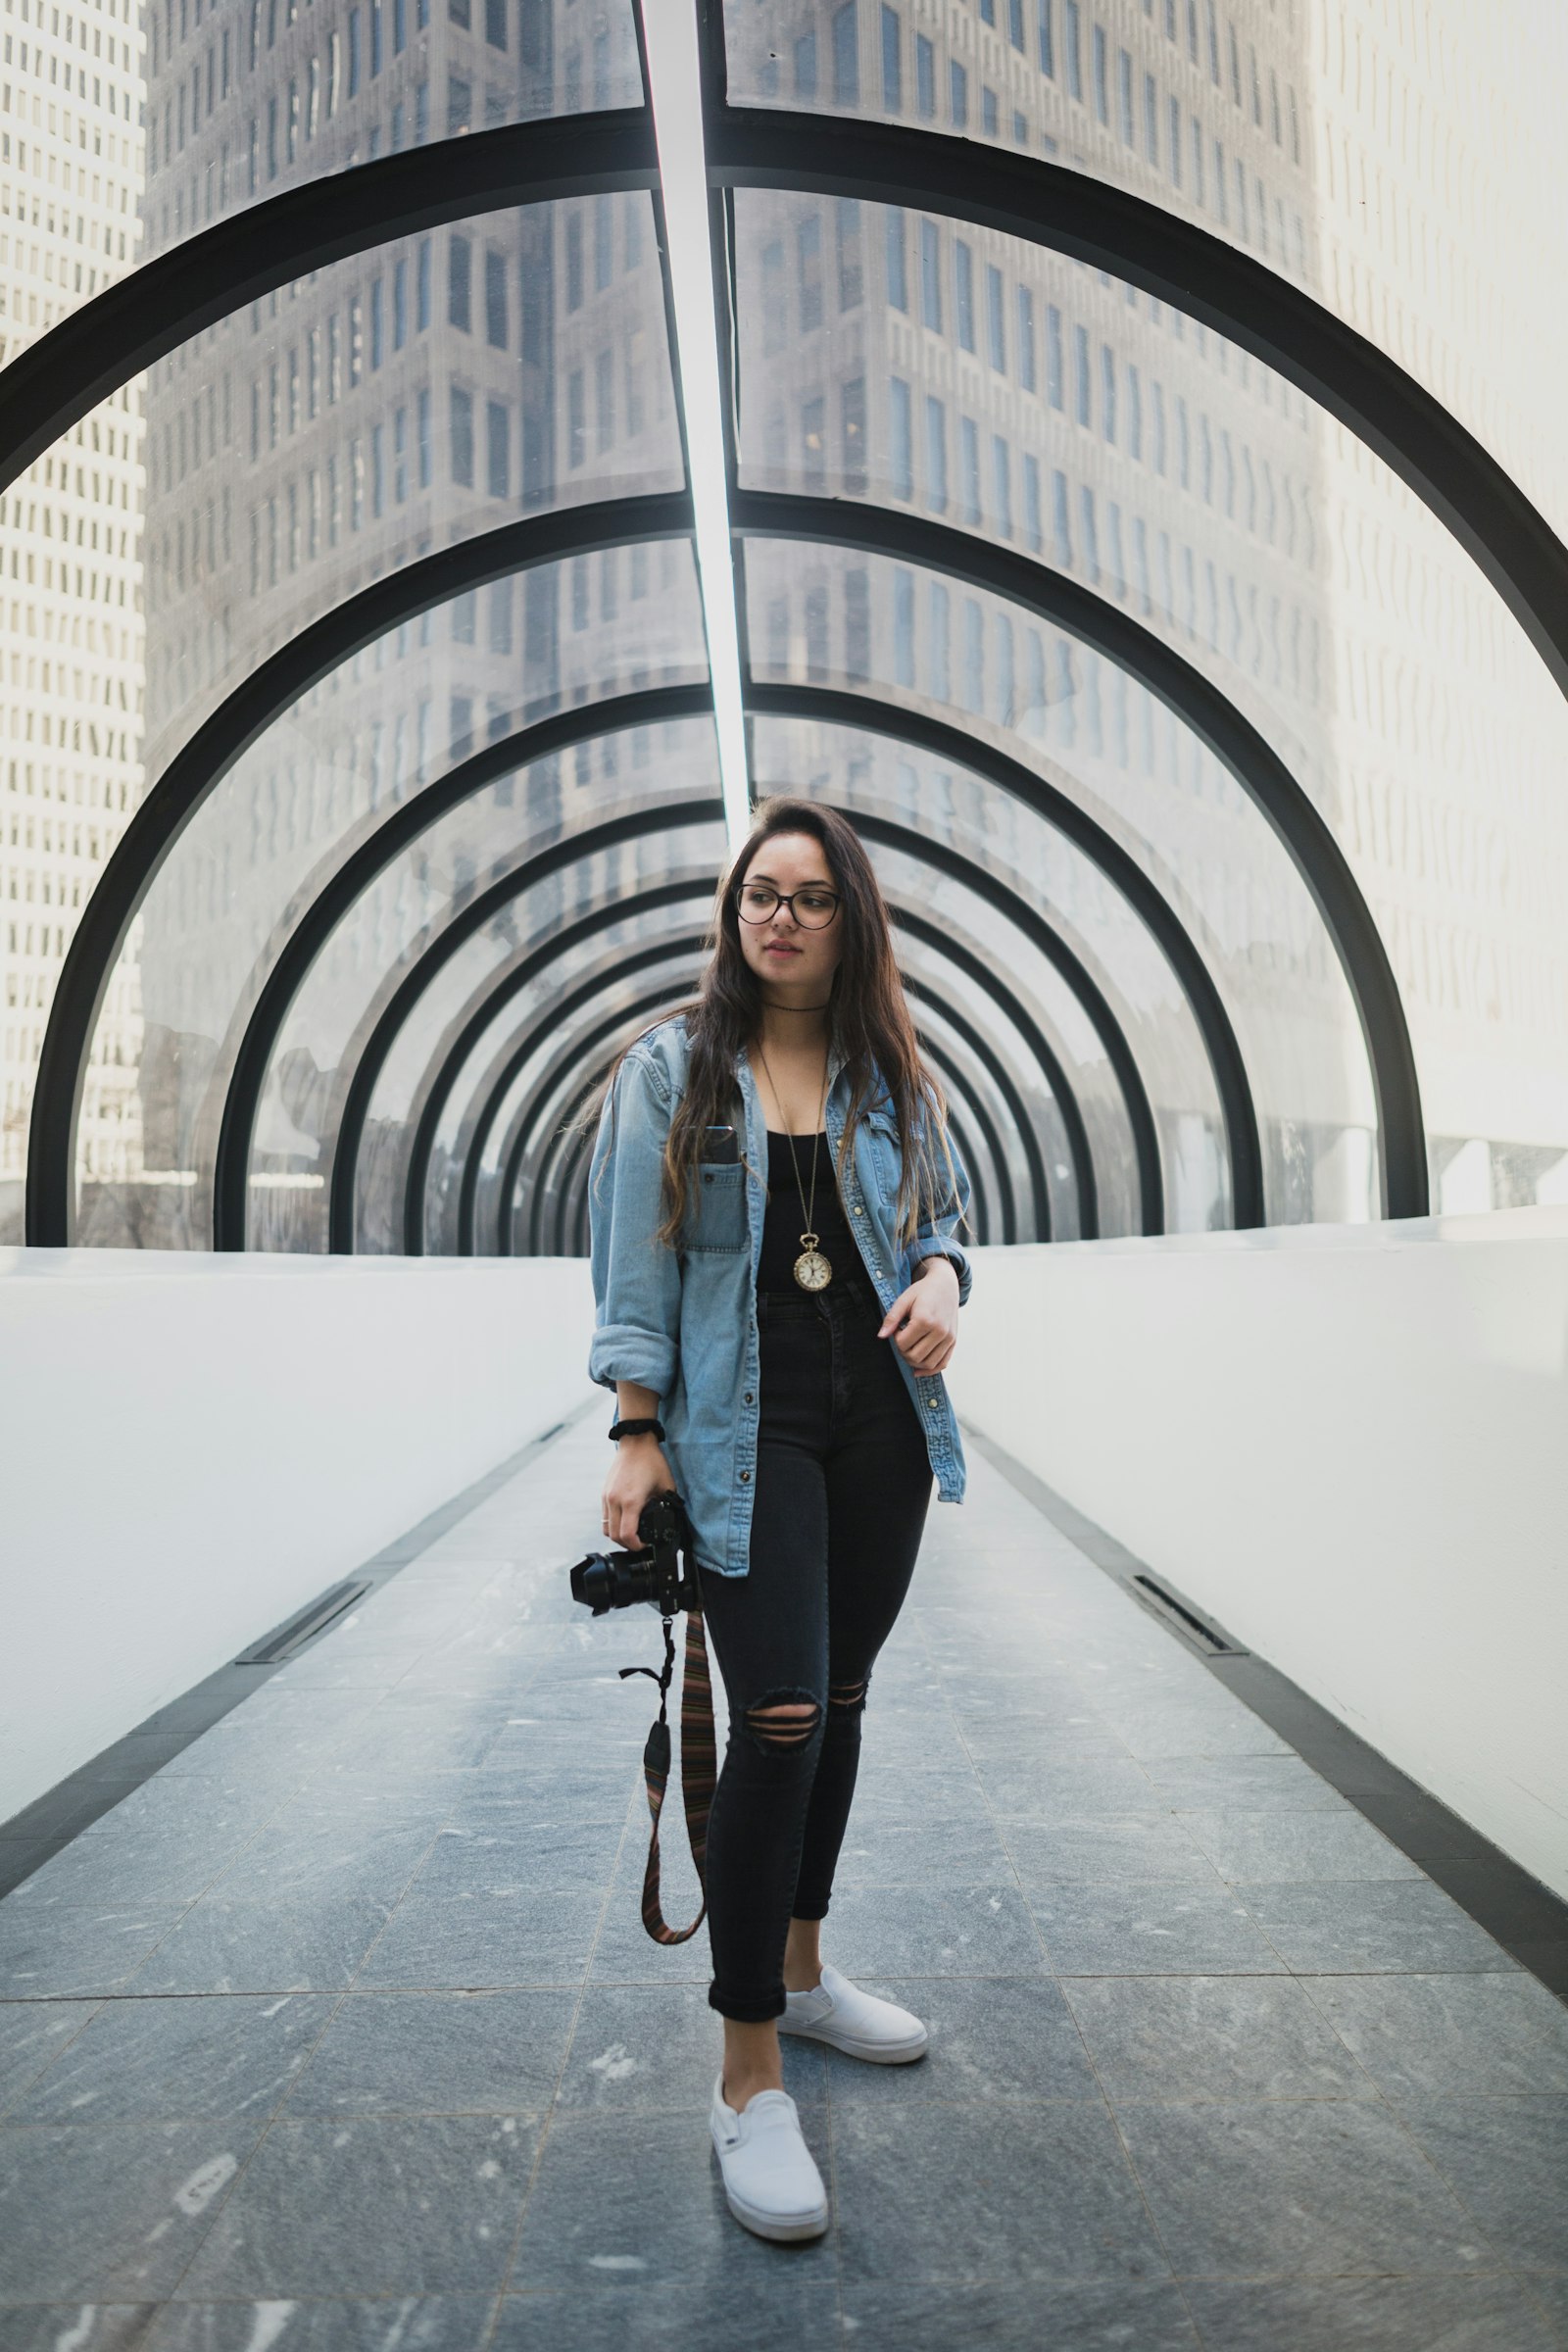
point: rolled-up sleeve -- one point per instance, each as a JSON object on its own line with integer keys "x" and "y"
{"x": 935, "y": 1235}
{"x": 636, "y": 1279}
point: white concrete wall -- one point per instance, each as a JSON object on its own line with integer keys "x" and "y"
{"x": 192, "y": 1448}
{"x": 1349, "y": 1443}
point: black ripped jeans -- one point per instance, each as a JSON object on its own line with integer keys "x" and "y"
{"x": 843, "y": 1484}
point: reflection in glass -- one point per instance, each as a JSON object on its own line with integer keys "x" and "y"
{"x": 1080, "y": 724}
{"x": 1346, "y": 161}
{"x": 995, "y": 388}
{"x": 243, "y": 108}
{"x": 395, "y": 717}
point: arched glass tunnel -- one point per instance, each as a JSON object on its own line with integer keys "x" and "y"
{"x": 1060, "y": 493}
{"x": 458, "y": 459}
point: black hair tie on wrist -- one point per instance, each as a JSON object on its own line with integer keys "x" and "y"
{"x": 647, "y": 1426}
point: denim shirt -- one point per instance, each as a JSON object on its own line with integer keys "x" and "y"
{"x": 683, "y": 1321}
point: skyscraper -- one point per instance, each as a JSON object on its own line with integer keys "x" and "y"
{"x": 70, "y": 618}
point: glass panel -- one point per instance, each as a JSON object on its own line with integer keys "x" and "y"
{"x": 1348, "y": 161}
{"x": 1102, "y": 435}
{"x": 971, "y": 1090}
{"x": 353, "y": 398}
{"x": 691, "y": 854}
{"x": 937, "y": 804}
{"x": 397, "y": 717}
{"x": 425, "y": 392}
{"x": 557, "y": 1073}
{"x": 1084, "y": 727}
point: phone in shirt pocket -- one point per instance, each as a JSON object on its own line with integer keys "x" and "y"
{"x": 721, "y": 1147}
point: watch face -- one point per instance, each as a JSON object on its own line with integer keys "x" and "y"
{"x": 813, "y": 1271}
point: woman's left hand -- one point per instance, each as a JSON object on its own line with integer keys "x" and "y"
{"x": 923, "y": 1320}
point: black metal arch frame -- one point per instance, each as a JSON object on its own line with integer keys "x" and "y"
{"x": 1242, "y": 750}
{"x": 101, "y": 346}
{"x": 486, "y": 905}
{"x": 587, "y": 992}
{"x": 931, "y": 934}
{"x": 519, "y": 976}
{"x": 568, "y": 1207}
{"x": 996, "y": 1069}
{"x": 655, "y": 817}
{"x": 566, "y": 728}
{"x": 527, "y": 1115}
{"x": 403, "y": 826}
{"x": 436, "y": 1091}
{"x": 627, "y": 1018}
{"x": 200, "y": 765}
{"x": 873, "y": 716}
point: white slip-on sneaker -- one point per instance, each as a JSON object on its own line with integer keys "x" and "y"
{"x": 847, "y": 2019}
{"x": 770, "y": 2176}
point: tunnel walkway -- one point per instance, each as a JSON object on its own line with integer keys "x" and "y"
{"x": 342, "y": 2029}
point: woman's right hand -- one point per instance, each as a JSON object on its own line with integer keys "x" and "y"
{"x": 640, "y": 1470}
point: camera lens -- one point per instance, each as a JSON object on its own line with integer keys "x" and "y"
{"x": 602, "y": 1583}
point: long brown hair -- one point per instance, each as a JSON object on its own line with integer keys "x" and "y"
{"x": 868, "y": 1020}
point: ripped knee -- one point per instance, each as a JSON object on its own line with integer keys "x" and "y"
{"x": 784, "y": 1722}
{"x": 848, "y": 1698}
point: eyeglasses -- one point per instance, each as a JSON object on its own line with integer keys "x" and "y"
{"x": 813, "y": 909}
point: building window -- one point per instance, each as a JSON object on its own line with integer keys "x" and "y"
{"x": 969, "y": 469}
{"x": 846, "y": 57}
{"x": 897, "y": 273}
{"x": 576, "y": 420}
{"x": 460, "y": 284}
{"x": 957, "y": 94}
{"x": 930, "y": 276}
{"x": 1027, "y": 375}
{"x": 1080, "y": 349}
{"x": 497, "y": 451}
{"x": 574, "y": 279}
{"x": 1001, "y": 485}
{"x": 604, "y": 399}
{"x": 851, "y": 274}
{"x": 901, "y": 438}
{"x": 495, "y": 298}
{"x": 1107, "y": 392}
{"x": 856, "y": 625}
{"x": 1054, "y": 373}
{"x": 1034, "y": 537}
{"x": 925, "y": 76}
{"x": 813, "y": 443}
{"x": 891, "y": 64}
{"x": 963, "y": 292}
{"x": 808, "y": 272}
{"x": 996, "y": 319}
{"x": 463, "y": 437}
{"x": 903, "y": 628}
{"x": 1047, "y": 40}
{"x": 806, "y": 65}
{"x": 1072, "y": 44}
{"x": 936, "y": 456}
{"x": 854, "y": 451}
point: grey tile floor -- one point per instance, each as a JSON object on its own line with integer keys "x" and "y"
{"x": 342, "y": 2030}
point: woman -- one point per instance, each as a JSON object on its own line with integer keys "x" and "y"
{"x": 777, "y": 1289}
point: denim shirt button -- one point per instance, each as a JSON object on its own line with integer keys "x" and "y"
{"x": 747, "y": 1399}
{"x": 746, "y": 1478}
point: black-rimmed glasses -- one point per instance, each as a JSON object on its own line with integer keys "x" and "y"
{"x": 814, "y": 908}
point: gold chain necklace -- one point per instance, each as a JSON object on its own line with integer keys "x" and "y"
{"x": 813, "y": 1270}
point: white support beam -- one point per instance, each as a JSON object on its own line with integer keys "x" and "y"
{"x": 669, "y": 32}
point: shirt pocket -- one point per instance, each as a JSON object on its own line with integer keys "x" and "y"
{"x": 884, "y": 1153}
{"x": 716, "y": 1213}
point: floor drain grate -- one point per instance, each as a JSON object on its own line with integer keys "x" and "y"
{"x": 1185, "y": 1619}
{"x": 285, "y": 1639}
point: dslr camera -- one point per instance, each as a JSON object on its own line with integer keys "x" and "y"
{"x": 605, "y": 1581}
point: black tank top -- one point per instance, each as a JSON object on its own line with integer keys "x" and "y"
{"x": 785, "y": 1220}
